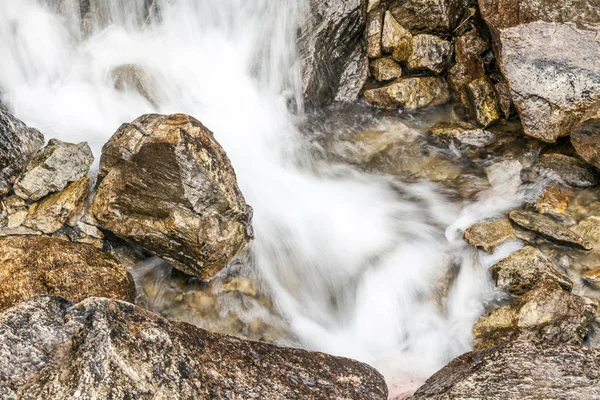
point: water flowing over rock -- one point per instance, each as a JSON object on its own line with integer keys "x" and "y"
{"x": 521, "y": 370}
{"x": 545, "y": 313}
{"x": 168, "y": 186}
{"x": 125, "y": 352}
{"x": 333, "y": 52}
{"x": 18, "y": 143}
{"x": 53, "y": 168}
{"x": 463, "y": 133}
{"x": 410, "y": 93}
{"x": 490, "y": 234}
{"x": 130, "y": 77}
{"x": 428, "y": 15}
{"x": 32, "y": 266}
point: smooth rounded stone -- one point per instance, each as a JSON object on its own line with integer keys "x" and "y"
{"x": 545, "y": 313}
{"x": 374, "y": 28}
{"x": 570, "y": 170}
{"x": 126, "y": 352}
{"x": 410, "y": 93}
{"x": 332, "y": 51}
{"x": 439, "y": 16}
{"x": 554, "y": 200}
{"x": 66, "y": 207}
{"x": 520, "y": 369}
{"x": 429, "y": 53}
{"x": 554, "y": 84}
{"x": 385, "y": 69}
{"x": 484, "y": 102}
{"x": 18, "y": 143}
{"x": 490, "y": 234}
{"x": 53, "y": 168}
{"x": 505, "y": 176}
{"x": 166, "y": 185}
{"x": 463, "y": 133}
{"x": 586, "y": 140}
{"x": 132, "y": 78}
{"x": 549, "y": 229}
{"x": 32, "y": 266}
{"x": 394, "y": 34}
{"x": 522, "y": 270}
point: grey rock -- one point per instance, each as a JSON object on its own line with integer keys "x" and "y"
{"x": 570, "y": 170}
{"x": 106, "y": 349}
{"x": 428, "y": 15}
{"x": 522, "y": 270}
{"x": 53, "y": 168}
{"x": 505, "y": 176}
{"x": 18, "y": 143}
{"x": 374, "y": 29}
{"x": 549, "y": 229}
{"x": 490, "y": 234}
{"x": 521, "y": 370}
{"x": 132, "y": 78}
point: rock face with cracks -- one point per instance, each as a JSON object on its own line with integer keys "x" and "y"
{"x": 105, "y": 349}
{"x": 167, "y": 185}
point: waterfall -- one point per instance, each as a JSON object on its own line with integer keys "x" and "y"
{"x": 355, "y": 261}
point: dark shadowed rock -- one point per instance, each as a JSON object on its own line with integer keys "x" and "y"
{"x": 520, "y": 370}
{"x": 385, "y": 69}
{"x": 570, "y": 170}
{"x": 468, "y": 66}
{"x": 166, "y": 184}
{"x": 545, "y": 313}
{"x": 586, "y": 140}
{"x": 522, "y": 270}
{"x": 132, "y": 78}
{"x": 409, "y": 93}
{"x": 549, "y": 229}
{"x": 428, "y": 53}
{"x": 490, "y": 234}
{"x": 428, "y": 15}
{"x": 333, "y": 52}
{"x": 18, "y": 143}
{"x": 32, "y": 266}
{"x": 104, "y": 349}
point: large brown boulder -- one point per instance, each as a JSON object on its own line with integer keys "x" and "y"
{"x": 31, "y": 266}
{"x": 105, "y": 349}
{"x": 518, "y": 370}
{"x": 167, "y": 185}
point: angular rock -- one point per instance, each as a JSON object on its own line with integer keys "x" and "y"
{"x": 504, "y": 99}
{"x": 32, "y": 266}
{"x": 333, "y": 55}
{"x": 53, "y": 168}
{"x": 463, "y": 133}
{"x": 554, "y": 200}
{"x": 554, "y": 84}
{"x": 374, "y": 29}
{"x": 428, "y": 15}
{"x": 521, "y": 370}
{"x": 105, "y": 349}
{"x": 570, "y": 170}
{"x": 586, "y": 140}
{"x": 165, "y": 184}
{"x": 52, "y": 212}
{"x": 132, "y": 78}
{"x": 18, "y": 143}
{"x": 549, "y": 229}
{"x": 468, "y": 66}
{"x": 385, "y": 69}
{"x": 522, "y": 270}
{"x": 484, "y": 102}
{"x": 545, "y": 313}
{"x": 490, "y": 234}
{"x": 393, "y": 34}
{"x": 409, "y": 93}
{"x": 428, "y": 53}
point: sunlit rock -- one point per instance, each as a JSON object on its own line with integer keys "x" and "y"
{"x": 374, "y": 28}
{"x": 394, "y": 34}
{"x": 130, "y": 77}
{"x": 31, "y": 266}
{"x": 490, "y": 234}
{"x": 409, "y": 93}
{"x": 53, "y": 168}
{"x": 123, "y": 351}
{"x": 428, "y": 53}
{"x": 484, "y": 102}
{"x": 522, "y": 270}
{"x": 385, "y": 69}
{"x": 569, "y": 170}
{"x": 166, "y": 184}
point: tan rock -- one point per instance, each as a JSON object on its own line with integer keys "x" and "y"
{"x": 490, "y": 234}
{"x": 409, "y": 93}
{"x": 484, "y": 102}
{"x": 428, "y": 53}
{"x": 586, "y": 140}
{"x": 374, "y": 29}
{"x": 553, "y": 200}
{"x": 385, "y": 69}
{"x": 428, "y": 15}
{"x": 592, "y": 278}
{"x": 133, "y": 78}
{"x": 463, "y": 133}
{"x": 468, "y": 66}
{"x": 393, "y": 34}
{"x": 241, "y": 285}
{"x": 570, "y": 170}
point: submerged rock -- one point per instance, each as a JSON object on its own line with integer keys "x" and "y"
{"x": 32, "y": 266}
{"x": 53, "y": 168}
{"x": 554, "y": 200}
{"x": 570, "y": 170}
{"x": 468, "y": 66}
{"x": 586, "y": 140}
{"x": 545, "y": 313}
{"x": 130, "y": 77}
{"x": 18, "y": 143}
{"x": 522, "y": 270}
{"x": 490, "y": 234}
{"x": 166, "y": 184}
{"x": 428, "y": 53}
{"x": 126, "y": 352}
{"x": 505, "y": 176}
{"x": 410, "y": 93}
{"x": 549, "y": 229}
{"x": 521, "y": 370}
{"x": 428, "y": 15}
{"x": 385, "y": 69}
{"x": 463, "y": 133}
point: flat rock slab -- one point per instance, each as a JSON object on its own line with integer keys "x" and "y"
{"x": 518, "y": 370}
{"x": 105, "y": 349}
{"x": 570, "y": 170}
{"x": 549, "y": 229}
{"x": 490, "y": 234}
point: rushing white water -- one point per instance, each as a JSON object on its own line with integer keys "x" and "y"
{"x": 353, "y": 261}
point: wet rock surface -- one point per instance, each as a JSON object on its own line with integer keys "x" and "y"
{"x": 409, "y": 93}
{"x": 428, "y": 15}
{"x": 32, "y": 266}
{"x": 490, "y": 234}
{"x": 518, "y": 370}
{"x": 484, "y": 102}
{"x": 132, "y": 78}
{"x": 545, "y": 313}
{"x": 586, "y": 140}
{"x": 428, "y": 53}
{"x": 374, "y": 28}
{"x": 570, "y": 170}
{"x": 168, "y": 186}
{"x": 385, "y": 69}
{"x": 463, "y": 133}
{"x": 125, "y": 352}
